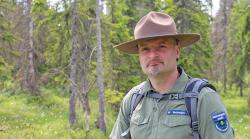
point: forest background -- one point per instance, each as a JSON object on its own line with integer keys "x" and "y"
{"x": 61, "y": 78}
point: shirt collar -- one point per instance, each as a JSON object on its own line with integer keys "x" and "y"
{"x": 178, "y": 87}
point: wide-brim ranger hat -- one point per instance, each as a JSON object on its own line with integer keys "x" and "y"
{"x": 156, "y": 25}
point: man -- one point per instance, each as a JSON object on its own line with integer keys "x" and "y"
{"x": 158, "y": 45}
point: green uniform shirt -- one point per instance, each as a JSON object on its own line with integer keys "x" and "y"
{"x": 151, "y": 118}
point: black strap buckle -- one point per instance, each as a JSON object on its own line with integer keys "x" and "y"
{"x": 173, "y": 96}
{"x": 195, "y": 126}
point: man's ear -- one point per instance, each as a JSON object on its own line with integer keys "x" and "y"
{"x": 178, "y": 51}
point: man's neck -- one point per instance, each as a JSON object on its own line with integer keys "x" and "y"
{"x": 163, "y": 83}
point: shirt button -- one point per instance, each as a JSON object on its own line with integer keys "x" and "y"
{"x": 154, "y": 109}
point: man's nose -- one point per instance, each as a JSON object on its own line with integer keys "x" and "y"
{"x": 153, "y": 53}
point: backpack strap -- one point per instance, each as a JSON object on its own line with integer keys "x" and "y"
{"x": 135, "y": 100}
{"x": 192, "y": 91}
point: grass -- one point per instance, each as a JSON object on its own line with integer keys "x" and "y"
{"x": 239, "y": 114}
{"x": 25, "y": 117}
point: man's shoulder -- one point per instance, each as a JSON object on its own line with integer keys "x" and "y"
{"x": 203, "y": 86}
{"x": 126, "y": 103}
{"x": 209, "y": 97}
{"x": 137, "y": 89}
{"x": 207, "y": 91}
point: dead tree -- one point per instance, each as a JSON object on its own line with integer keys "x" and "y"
{"x": 73, "y": 67}
{"x": 101, "y": 120}
{"x": 31, "y": 82}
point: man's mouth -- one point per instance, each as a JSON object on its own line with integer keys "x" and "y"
{"x": 154, "y": 63}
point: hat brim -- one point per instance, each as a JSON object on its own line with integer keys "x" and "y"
{"x": 130, "y": 47}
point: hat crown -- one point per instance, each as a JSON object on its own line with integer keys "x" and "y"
{"x": 155, "y": 24}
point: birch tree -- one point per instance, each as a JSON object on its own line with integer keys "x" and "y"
{"x": 73, "y": 67}
{"x": 100, "y": 121}
{"x": 31, "y": 72}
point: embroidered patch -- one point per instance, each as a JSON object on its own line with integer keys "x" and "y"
{"x": 220, "y": 120}
{"x": 177, "y": 112}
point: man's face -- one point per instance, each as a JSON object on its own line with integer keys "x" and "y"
{"x": 158, "y": 57}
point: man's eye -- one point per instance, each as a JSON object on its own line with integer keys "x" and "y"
{"x": 162, "y": 46}
{"x": 144, "y": 49}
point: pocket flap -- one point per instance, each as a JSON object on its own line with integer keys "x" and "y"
{"x": 177, "y": 120}
{"x": 139, "y": 120}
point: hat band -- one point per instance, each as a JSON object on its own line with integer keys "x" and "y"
{"x": 155, "y": 35}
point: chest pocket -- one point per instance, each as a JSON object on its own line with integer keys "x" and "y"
{"x": 176, "y": 114}
{"x": 140, "y": 123}
{"x": 139, "y": 120}
{"x": 178, "y": 126}
{"x": 141, "y": 114}
{"x": 177, "y": 120}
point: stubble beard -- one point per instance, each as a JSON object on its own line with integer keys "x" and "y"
{"x": 152, "y": 71}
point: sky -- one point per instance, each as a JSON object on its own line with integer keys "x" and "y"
{"x": 216, "y": 5}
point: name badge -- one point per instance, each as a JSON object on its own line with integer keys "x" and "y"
{"x": 177, "y": 112}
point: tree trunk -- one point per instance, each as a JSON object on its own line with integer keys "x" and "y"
{"x": 84, "y": 61}
{"x": 84, "y": 99}
{"x": 73, "y": 66}
{"x": 220, "y": 41}
{"x": 31, "y": 73}
{"x": 225, "y": 15}
{"x": 241, "y": 88}
{"x": 100, "y": 82}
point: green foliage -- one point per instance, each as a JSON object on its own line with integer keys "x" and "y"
{"x": 239, "y": 36}
{"x": 248, "y": 101}
{"x": 51, "y": 37}
{"x": 197, "y": 59}
{"x": 114, "y": 98}
{"x": 6, "y": 81}
{"x": 120, "y": 69}
{"x": 5, "y": 25}
{"x": 8, "y": 37}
